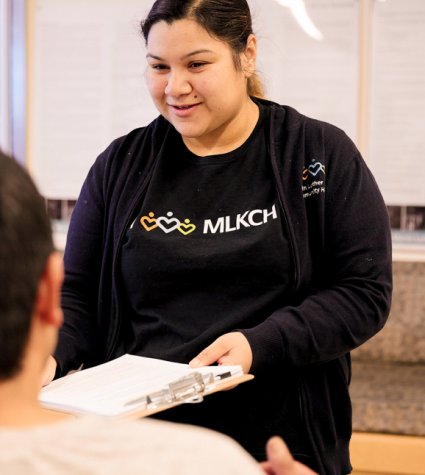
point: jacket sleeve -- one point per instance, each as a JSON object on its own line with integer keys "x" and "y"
{"x": 349, "y": 294}
{"x": 82, "y": 259}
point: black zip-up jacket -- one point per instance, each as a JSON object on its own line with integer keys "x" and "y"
{"x": 340, "y": 242}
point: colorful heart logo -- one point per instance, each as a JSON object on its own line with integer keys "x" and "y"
{"x": 149, "y": 222}
{"x": 187, "y": 227}
{"x": 168, "y": 224}
{"x": 315, "y": 168}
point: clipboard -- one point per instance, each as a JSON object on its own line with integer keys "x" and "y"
{"x": 134, "y": 386}
{"x": 188, "y": 390}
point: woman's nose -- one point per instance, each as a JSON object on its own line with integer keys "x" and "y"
{"x": 177, "y": 85}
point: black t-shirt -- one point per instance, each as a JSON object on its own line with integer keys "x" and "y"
{"x": 206, "y": 253}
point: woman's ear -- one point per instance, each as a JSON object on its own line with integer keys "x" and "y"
{"x": 48, "y": 301}
{"x": 249, "y": 56}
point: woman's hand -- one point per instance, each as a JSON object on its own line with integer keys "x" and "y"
{"x": 229, "y": 349}
{"x": 49, "y": 371}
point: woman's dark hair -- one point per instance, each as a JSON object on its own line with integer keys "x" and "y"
{"x": 226, "y": 20}
{"x": 25, "y": 244}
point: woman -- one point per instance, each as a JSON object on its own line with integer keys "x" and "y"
{"x": 230, "y": 230}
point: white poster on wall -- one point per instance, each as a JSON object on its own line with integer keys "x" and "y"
{"x": 309, "y": 56}
{"x": 88, "y": 86}
{"x": 397, "y": 115}
{"x": 397, "y": 133}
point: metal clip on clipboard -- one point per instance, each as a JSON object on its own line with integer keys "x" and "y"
{"x": 189, "y": 389}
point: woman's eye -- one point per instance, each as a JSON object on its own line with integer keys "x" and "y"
{"x": 159, "y": 67}
{"x": 196, "y": 65}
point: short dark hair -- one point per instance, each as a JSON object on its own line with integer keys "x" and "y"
{"x": 226, "y": 20}
{"x": 25, "y": 244}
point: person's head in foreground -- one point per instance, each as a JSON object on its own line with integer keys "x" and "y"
{"x": 30, "y": 276}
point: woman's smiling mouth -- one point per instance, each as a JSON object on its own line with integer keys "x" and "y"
{"x": 184, "y": 109}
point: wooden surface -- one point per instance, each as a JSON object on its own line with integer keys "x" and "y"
{"x": 380, "y": 454}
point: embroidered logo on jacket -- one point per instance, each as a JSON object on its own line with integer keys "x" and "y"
{"x": 313, "y": 179}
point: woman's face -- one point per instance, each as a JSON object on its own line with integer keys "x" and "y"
{"x": 194, "y": 83}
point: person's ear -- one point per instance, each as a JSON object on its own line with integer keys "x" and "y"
{"x": 48, "y": 301}
{"x": 249, "y": 56}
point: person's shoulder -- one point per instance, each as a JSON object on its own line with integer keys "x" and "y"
{"x": 318, "y": 134}
{"x": 193, "y": 449}
{"x": 134, "y": 148}
{"x": 172, "y": 435}
{"x": 291, "y": 118}
{"x": 151, "y": 132}
{"x": 106, "y": 446}
{"x": 214, "y": 452}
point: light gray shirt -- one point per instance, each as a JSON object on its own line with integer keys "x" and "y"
{"x": 94, "y": 445}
